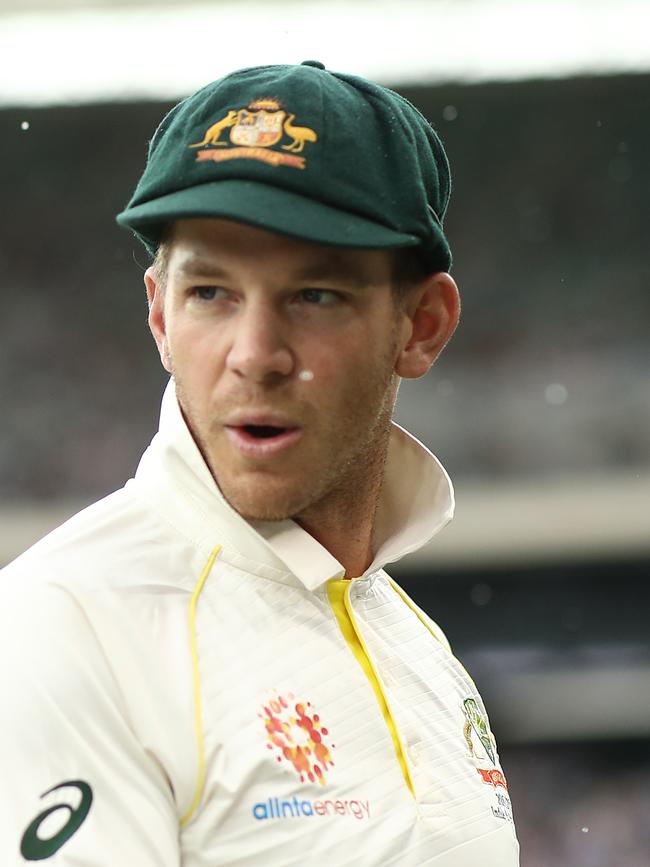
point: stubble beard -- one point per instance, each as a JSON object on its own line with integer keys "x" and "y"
{"x": 351, "y": 487}
{"x": 349, "y": 480}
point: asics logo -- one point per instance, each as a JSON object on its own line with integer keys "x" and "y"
{"x": 36, "y": 848}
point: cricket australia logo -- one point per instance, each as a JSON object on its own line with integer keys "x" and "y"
{"x": 253, "y": 132}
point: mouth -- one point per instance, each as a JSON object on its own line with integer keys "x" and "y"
{"x": 262, "y": 440}
{"x": 263, "y": 431}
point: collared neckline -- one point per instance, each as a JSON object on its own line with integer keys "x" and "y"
{"x": 416, "y": 502}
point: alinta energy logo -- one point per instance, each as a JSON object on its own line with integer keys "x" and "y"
{"x": 295, "y": 733}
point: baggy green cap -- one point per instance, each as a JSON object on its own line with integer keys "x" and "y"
{"x": 313, "y": 154}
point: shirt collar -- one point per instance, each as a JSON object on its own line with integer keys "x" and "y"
{"x": 416, "y": 502}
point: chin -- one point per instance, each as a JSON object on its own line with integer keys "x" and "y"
{"x": 262, "y": 512}
{"x": 260, "y": 506}
{"x": 265, "y": 515}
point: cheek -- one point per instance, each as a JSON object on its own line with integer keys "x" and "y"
{"x": 327, "y": 370}
{"x": 196, "y": 354}
{"x": 350, "y": 376}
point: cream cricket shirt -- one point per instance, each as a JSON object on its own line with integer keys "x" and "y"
{"x": 180, "y": 687}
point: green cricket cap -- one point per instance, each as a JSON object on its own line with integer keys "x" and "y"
{"x": 296, "y": 149}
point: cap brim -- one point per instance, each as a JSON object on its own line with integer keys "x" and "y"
{"x": 266, "y": 207}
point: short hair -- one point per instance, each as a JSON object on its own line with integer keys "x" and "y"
{"x": 408, "y": 265}
{"x": 161, "y": 259}
{"x": 409, "y": 268}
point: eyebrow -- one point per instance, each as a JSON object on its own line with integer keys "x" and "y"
{"x": 196, "y": 266}
{"x": 334, "y": 269}
{"x": 322, "y": 270}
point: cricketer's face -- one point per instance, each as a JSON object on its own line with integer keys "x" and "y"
{"x": 284, "y": 356}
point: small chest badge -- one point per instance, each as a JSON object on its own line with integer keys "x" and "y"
{"x": 253, "y": 131}
{"x": 476, "y": 726}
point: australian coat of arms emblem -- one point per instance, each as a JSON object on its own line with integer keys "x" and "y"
{"x": 251, "y": 133}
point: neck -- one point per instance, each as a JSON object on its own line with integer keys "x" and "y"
{"x": 344, "y": 521}
{"x": 349, "y": 540}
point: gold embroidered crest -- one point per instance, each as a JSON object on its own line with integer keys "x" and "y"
{"x": 262, "y": 124}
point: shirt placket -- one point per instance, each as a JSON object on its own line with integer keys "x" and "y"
{"x": 341, "y": 594}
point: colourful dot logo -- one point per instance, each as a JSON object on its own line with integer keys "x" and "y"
{"x": 296, "y": 735}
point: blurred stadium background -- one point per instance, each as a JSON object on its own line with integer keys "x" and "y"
{"x": 539, "y": 408}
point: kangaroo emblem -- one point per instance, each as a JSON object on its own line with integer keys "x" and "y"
{"x": 212, "y": 135}
{"x": 255, "y": 131}
{"x": 299, "y": 134}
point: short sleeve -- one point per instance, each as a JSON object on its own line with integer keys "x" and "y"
{"x": 77, "y": 786}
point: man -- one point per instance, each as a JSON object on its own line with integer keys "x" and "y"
{"x": 210, "y": 666}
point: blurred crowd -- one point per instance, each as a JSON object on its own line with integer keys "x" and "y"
{"x": 578, "y": 806}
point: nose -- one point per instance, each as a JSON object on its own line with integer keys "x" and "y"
{"x": 259, "y": 350}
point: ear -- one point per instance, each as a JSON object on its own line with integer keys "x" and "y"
{"x": 433, "y": 310}
{"x": 156, "y": 299}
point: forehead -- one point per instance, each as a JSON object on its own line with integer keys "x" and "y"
{"x": 197, "y": 246}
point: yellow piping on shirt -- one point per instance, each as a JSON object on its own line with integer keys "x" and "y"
{"x": 442, "y": 639}
{"x": 414, "y": 608}
{"x": 338, "y": 592}
{"x": 198, "y": 720}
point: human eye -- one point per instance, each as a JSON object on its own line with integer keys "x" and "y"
{"x": 207, "y": 293}
{"x": 320, "y": 297}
